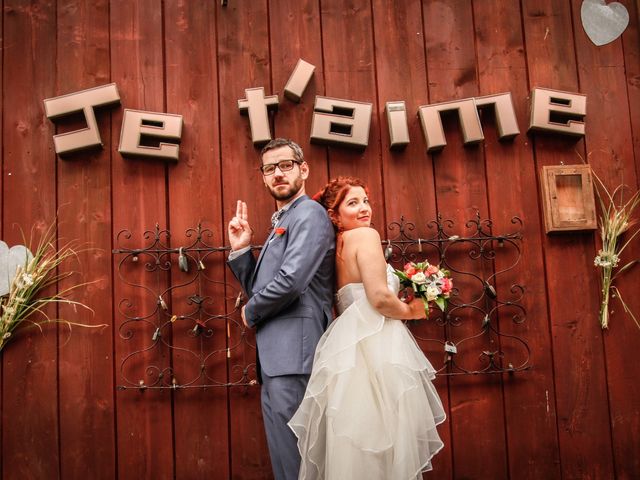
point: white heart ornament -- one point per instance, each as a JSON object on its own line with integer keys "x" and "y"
{"x": 10, "y": 259}
{"x": 603, "y": 23}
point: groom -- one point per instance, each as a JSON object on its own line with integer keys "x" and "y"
{"x": 290, "y": 290}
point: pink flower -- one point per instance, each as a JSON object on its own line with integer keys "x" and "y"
{"x": 432, "y": 269}
{"x": 410, "y": 269}
{"x": 447, "y": 285}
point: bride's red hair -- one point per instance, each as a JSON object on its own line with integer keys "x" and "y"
{"x": 334, "y": 193}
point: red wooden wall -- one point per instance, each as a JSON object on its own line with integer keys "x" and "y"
{"x": 575, "y": 414}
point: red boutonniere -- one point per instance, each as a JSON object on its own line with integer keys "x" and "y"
{"x": 280, "y": 231}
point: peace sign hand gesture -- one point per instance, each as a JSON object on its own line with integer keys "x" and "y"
{"x": 239, "y": 230}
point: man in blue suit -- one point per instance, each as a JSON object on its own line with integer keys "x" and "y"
{"x": 290, "y": 290}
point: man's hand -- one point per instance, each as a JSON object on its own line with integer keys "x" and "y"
{"x": 239, "y": 230}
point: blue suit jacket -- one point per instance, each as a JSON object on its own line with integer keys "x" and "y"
{"x": 290, "y": 288}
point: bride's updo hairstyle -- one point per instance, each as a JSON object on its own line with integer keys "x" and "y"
{"x": 334, "y": 193}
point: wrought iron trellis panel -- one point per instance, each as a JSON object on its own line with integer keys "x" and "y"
{"x": 182, "y": 328}
{"x": 181, "y": 324}
{"x": 467, "y": 336}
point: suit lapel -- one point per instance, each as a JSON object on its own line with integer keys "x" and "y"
{"x": 273, "y": 231}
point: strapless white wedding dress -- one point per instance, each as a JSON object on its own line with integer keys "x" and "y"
{"x": 370, "y": 410}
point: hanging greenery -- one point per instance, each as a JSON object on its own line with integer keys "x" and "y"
{"x": 615, "y": 221}
{"x": 40, "y": 273}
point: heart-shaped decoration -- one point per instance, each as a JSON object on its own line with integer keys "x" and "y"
{"x": 603, "y": 23}
{"x": 10, "y": 259}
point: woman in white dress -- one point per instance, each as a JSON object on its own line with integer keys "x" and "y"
{"x": 370, "y": 410}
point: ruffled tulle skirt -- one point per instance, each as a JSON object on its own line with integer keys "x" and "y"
{"x": 370, "y": 410}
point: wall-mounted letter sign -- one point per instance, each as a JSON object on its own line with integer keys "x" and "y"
{"x": 257, "y": 106}
{"x": 505, "y": 113}
{"x": 559, "y": 112}
{"x": 341, "y": 122}
{"x": 432, "y": 123}
{"x": 398, "y": 126}
{"x": 84, "y": 101}
{"x": 137, "y": 124}
{"x": 298, "y": 80}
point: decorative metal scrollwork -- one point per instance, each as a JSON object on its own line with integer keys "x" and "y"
{"x": 181, "y": 326}
{"x": 468, "y": 336}
{"x": 180, "y": 310}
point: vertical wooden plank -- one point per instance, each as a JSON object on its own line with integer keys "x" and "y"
{"x": 30, "y": 376}
{"x": 144, "y": 418}
{"x": 630, "y": 42}
{"x": 627, "y": 466}
{"x": 301, "y": 39}
{"x": 602, "y": 77}
{"x": 84, "y": 196}
{"x": 201, "y": 439}
{"x": 581, "y": 399}
{"x": 529, "y": 408}
{"x": 408, "y": 174}
{"x": 476, "y": 403}
{"x": 1, "y": 176}
{"x": 401, "y": 75}
{"x": 2, "y": 230}
{"x": 349, "y": 67}
{"x": 243, "y": 62}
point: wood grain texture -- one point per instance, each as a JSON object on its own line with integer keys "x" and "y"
{"x": 530, "y": 416}
{"x": 610, "y": 151}
{"x": 84, "y": 216}
{"x": 574, "y": 414}
{"x": 630, "y": 42}
{"x": 2, "y": 230}
{"x": 144, "y": 418}
{"x": 30, "y": 425}
{"x": 200, "y": 416}
{"x": 300, "y": 39}
{"x": 350, "y": 74}
{"x": 476, "y": 405}
{"x": 581, "y": 400}
{"x": 401, "y": 75}
{"x": 243, "y": 62}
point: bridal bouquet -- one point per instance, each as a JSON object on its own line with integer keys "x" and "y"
{"x": 429, "y": 282}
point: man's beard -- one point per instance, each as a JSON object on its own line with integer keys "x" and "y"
{"x": 290, "y": 192}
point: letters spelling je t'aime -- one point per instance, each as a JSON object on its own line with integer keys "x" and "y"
{"x": 335, "y": 121}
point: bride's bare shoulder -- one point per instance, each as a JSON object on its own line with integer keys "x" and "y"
{"x": 361, "y": 234}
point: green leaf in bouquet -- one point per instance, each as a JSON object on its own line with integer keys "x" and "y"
{"x": 401, "y": 275}
{"x": 441, "y": 302}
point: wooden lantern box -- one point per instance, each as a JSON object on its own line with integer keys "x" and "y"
{"x": 567, "y": 198}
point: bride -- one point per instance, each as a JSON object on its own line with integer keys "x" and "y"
{"x": 370, "y": 410}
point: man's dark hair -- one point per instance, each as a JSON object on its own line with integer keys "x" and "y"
{"x": 283, "y": 142}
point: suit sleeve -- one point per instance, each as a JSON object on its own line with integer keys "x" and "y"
{"x": 242, "y": 267}
{"x": 311, "y": 237}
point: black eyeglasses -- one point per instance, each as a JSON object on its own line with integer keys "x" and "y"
{"x": 283, "y": 165}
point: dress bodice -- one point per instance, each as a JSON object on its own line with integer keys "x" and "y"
{"x": 354, "y": 291}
